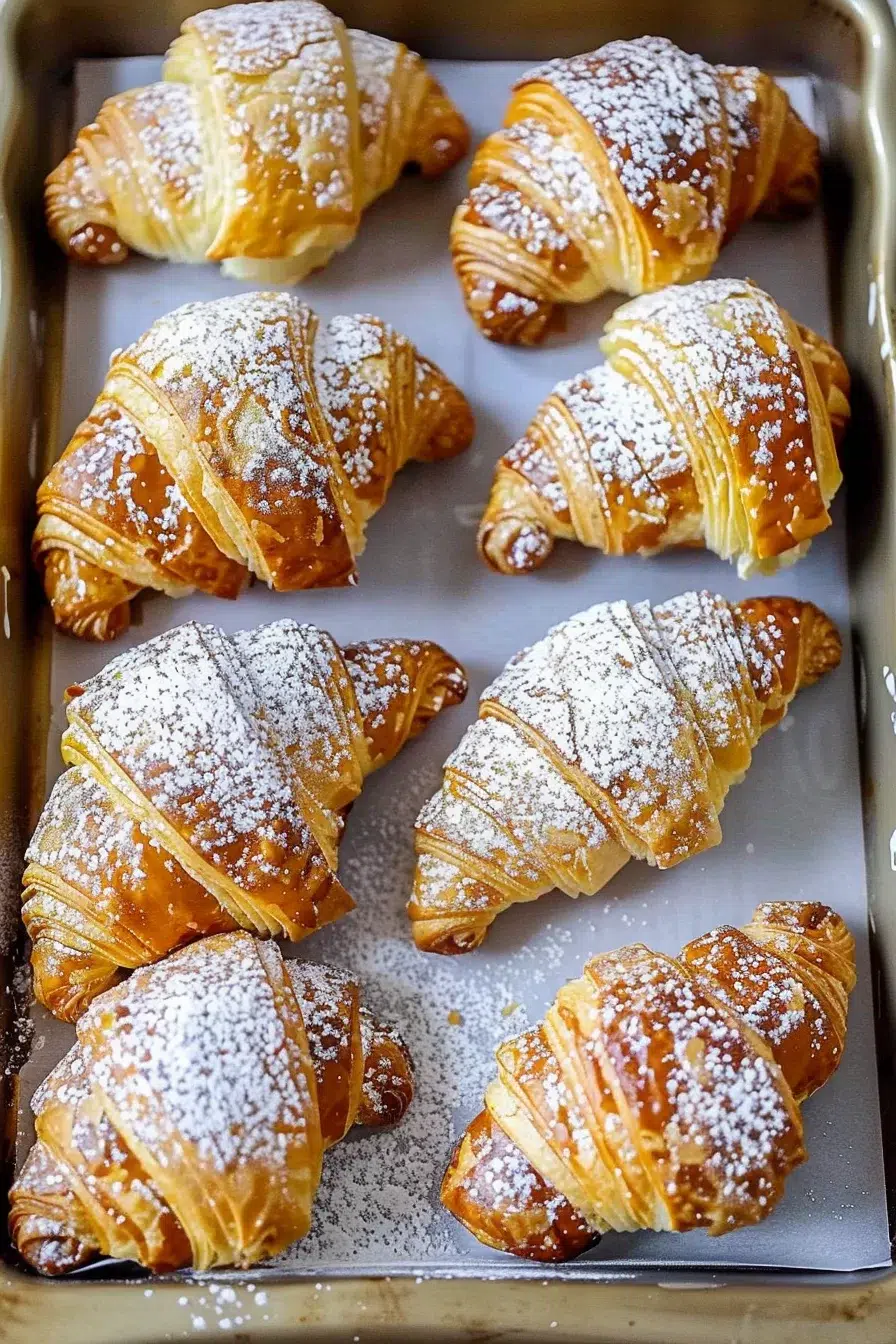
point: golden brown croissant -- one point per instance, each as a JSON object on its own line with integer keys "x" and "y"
{"x": 659, "y": 1093}
{"x": 624, "y": 169}
{"x": 209, "y": 780}
{"x": 272, "y": 130}
{"x": 237, "y": 436}
{"x": 188, "y": 1123}
{"x": 714, "y": 422}
{"x": 616, "y": 736}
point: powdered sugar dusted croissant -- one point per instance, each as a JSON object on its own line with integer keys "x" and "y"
{"x": 209, "y": 778}
{"x": 187, "y": 1125}
{"x": 625, "y": 169}
{"x": 714, "y": 422}
{"x": 237, "y": 437}
{"x": 660, "y": 1093}
{"x": 272, "y": 130}
{"x": 616, "y": 736}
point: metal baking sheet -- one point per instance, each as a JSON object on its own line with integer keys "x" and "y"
{"x": 792, "y": 830}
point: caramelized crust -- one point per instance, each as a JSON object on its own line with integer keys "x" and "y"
{"x": 624, "y": 169}
{"x": 659, "y": 1093}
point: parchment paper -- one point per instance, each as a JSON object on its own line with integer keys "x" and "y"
{"x": 791, "y": 830}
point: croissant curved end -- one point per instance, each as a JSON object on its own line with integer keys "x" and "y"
{"x": 87, "y": 601}
{"x": 501, "y": 312}
{"x": 540, "y": 1226}
{"x": 795, "y": 182}
{"x": 67, "y": 998}
{"x": 96, "y": 245}
{"x": 823, "y": 645}
{"x": 514, "y": 545}
{"x": 445, "y": 686}
{"x": 388, "y": 1086}
{"x": 818, "y": 922}
{"x": 441, "y": 136}
{"x": 449, "y": 936}
{"x": 48, "y": 1254}
{"x": 455, "y": 428}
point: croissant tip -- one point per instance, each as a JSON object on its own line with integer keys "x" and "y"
{"x": 502, "y": 315}
{"x": 450, "y": 942}
{"x": 96, "y": 245}
{"x": 514, "y": 545}
{"x": 824, "y": 645}
{"x": 388, "y": 1086}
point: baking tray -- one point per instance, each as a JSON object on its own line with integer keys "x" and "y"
{"x": 377, "y": 1209}
{"x": 848, "y": 48}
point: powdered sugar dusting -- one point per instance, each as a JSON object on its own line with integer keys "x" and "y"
{"x": 171, "y": 169}
{"x": 218, "y": 774}
{"x": 352, "y": 397}
{"x": 232, "y": 371}
{"x": 525, "y": 221}
{"x": 727, "y": 1112}
{"x": 594, "y": 690}
{"x": 657, "y": 111}
{"x": 196, "y": 1048}
{"x": 253, "y": 40}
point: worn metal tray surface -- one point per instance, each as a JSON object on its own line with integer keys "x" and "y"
{"x": 794, "y": 828}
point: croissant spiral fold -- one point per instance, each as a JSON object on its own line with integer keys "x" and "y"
{"x": 660, "y": 1093}
{"x": 272, "y": 129}
{"x": 623, "y": 169}
{"x": 209, "y": 777}
{"x": 616, "y": 736}
{"x": 714, "y": 422}
{"x": 187, "y": 1125}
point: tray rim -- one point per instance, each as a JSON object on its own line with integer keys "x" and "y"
{"x": 788, "y": 1307}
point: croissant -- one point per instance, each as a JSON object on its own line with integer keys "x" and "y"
{"x": 272, "y": 130}
{"x": 715, "y": 422}
{"x": 209, "y": 777}
{"x": 187, "y": 1125}
{"x": 624, "y": 169}
{"x": 618, "y": 735}
{"x": 237, "y": 436}
{"x": 659, "y": 1093}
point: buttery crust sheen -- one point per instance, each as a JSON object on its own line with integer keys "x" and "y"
{"x": 660, "y": 1093}
{"x": 623, "y": 169}
{"x": 271, "y": 131}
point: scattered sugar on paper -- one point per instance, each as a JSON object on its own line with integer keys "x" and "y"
{"x": 378, "y": 1200}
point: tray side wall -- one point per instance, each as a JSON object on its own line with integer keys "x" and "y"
{"x": 850, "y": 39}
